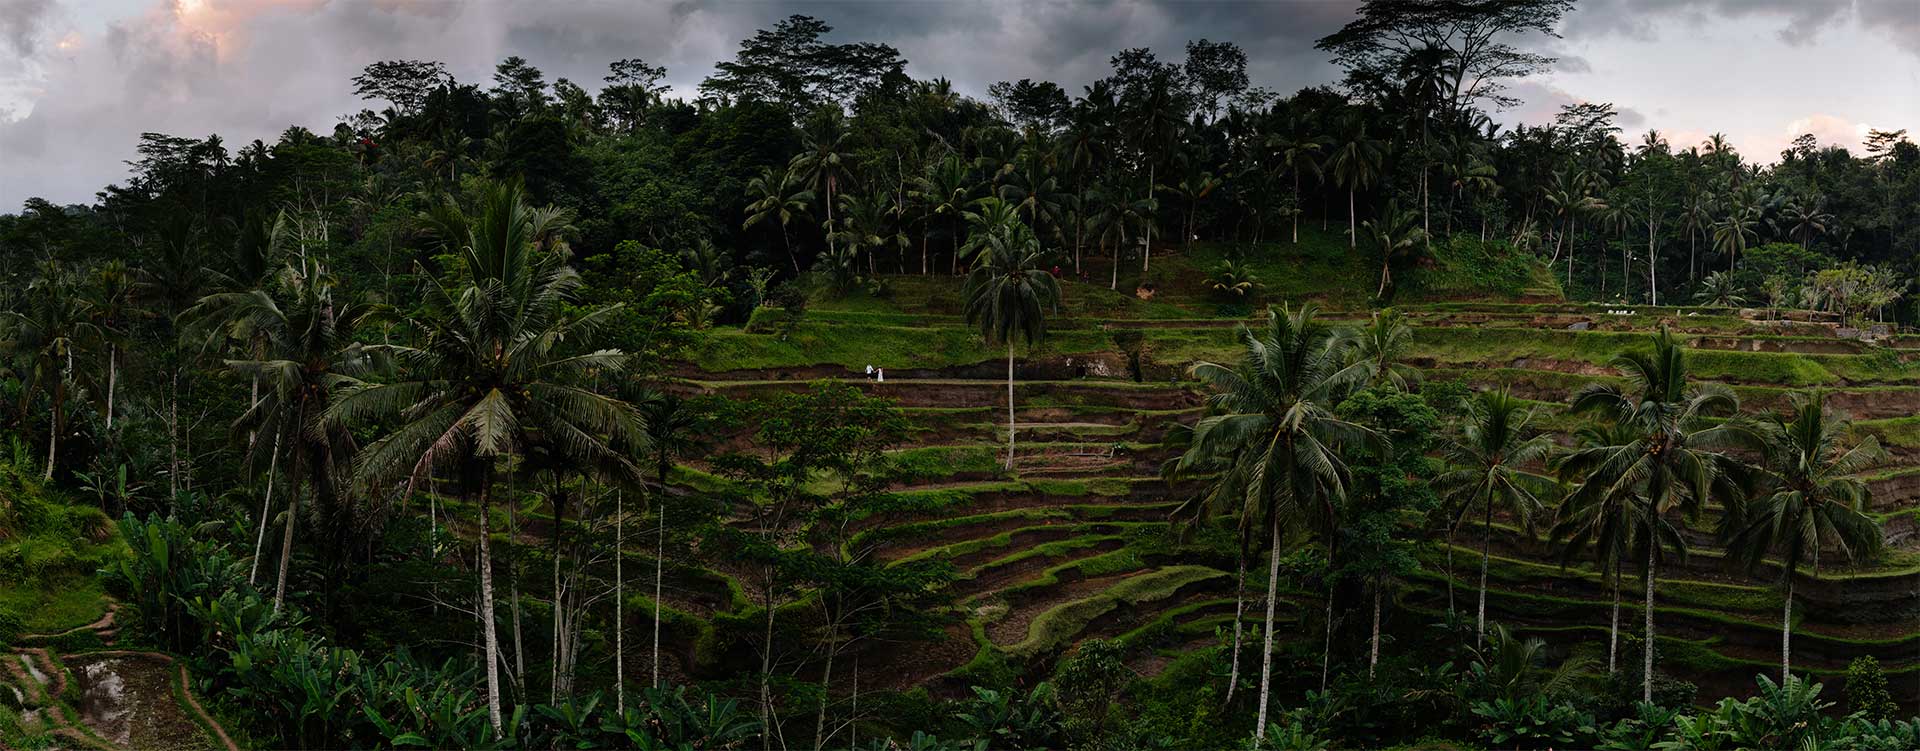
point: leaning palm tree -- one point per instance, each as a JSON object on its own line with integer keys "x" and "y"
{"x": 503, "y": 364}
{"x": 1669, "y": 460}
{"x": 1490, "y": 462}
{"x": 1273, "y": 432}
{"x": 1813, "y": 500}
{"x": 1008, "y": 295}
{"x": 1393, "y": 234}
{"x": 1380, "y": 350}
{"x": 778, "y": 196}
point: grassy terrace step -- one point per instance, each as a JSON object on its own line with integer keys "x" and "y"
{"x": 1859, "y": 402}
{"x": 901, "y": 541}
{"x": 973, "y": 393}
{"x": 1056, "y": 627}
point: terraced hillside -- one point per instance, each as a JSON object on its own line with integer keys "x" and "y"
{"x": 1072, "y": 543}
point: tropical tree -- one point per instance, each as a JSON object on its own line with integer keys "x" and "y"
{"x": 55, "y": 323}
{"x": 1393, "y": 234}
{"x": 1813, "y": 498}
{"x": 824, "y": 161}
{"x": 1804, "y": 220}
{"x": 1733, "y": 232}
{"x": 779, "y": 196}
{"x": 503, "y": 363}
{"x": 1720, "y": 289}
{"x": 947, "y": 191}
{"x": 1380, "y": 350}
{"x": 1272, "y": 427}
{"x": 1009, "y": 295}
{"x": 1601, "y": 525}
{"x": 1300, "y": 152}
{"x": 1191, "y": 192}
{"x": 1489, "y": 470}
{"x": 1670, "y": 460}
{"x": 670, "y": 425}
{"x": 1356, "y": 162}
{"x": 305, "y": 344}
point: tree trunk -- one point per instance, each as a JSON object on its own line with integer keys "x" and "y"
{"x": 1010, "y": 418}
{"x": 53, "y": 432}
{"x": 788, "y": 244}
{"x": 1239, "y": 613}
{"x": 489, "y": 634}
{"x": 286, "y": 549}
{"x": 619, "y": 605}
{"x": 260, "y": 540}
{"x": 1613, "y": 628}
{"x": 1786, "y": 632}
{"x": 1353, "y": 230}
{"x": 766, "y": 669}
{"x": 513, "y": 585}
{"x": 659, "y": 576}
{"x": 1266, "y": 636}
{"x": 826, "y": 693}
{"x": 1386, "y": 276}
{"x": 1373, "y": 652}
{"x": 113, "y": 374}
{"x": 956, "y": 246}
{"x": 1326, "y": 648}
{"x": 923, "y": 254}
{"x": 1646, "y": 648}
{"x": 1146, "y": 251}
{"x": 1296, "y": 208}
{"x": 1486, "y": 551}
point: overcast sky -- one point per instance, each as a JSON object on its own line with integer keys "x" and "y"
{"x": 80, "y": 79}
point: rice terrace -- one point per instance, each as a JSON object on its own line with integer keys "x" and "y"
{"x": 1362, "y": 374}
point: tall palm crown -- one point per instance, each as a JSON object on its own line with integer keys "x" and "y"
{"x": 502, "y": 368}
{"x": 1273, "y": 431}
{"x": 1380, "y": 350}
{"x": 55, "y": 324}
{"x": 1605, "y": 527}
{"x": 1669, "y": 459}
{"x": 1009, "y": 294}
{"x": 306, "y": 344}
{"x": 1356, "y": 162}
{"x": 1813, "y": 499}
{"x": 778, "y": 196}
{"x": 1394, "y": 234}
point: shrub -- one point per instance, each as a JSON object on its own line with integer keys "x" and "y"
{"x": 1867, "y": 692}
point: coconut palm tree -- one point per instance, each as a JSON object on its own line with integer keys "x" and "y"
{"x": 1356, "y": 163}
{"x": 824, "y": 159}
{"x": 1393, "y": 234}
{"x": 1813, "y": 499}
{"x": 1805, "y": 220}
{"x": 1300, "y": 152}
{"x": 1380, "y": 350}
{"x": 109, "y": 294}
{"x": 55, "y": 322}
{"x": 503, "y": 363}
{"x": 670, "y": 425}
{"x": 1008, "y": 295}
{"x": 305, "y": 344}
{"x": 1273, "y": 429}
{"x": 1720, "y": 289}
{"x": 1671, "y": 460}
{"x": 1490, "y": 462}
{"x": 1191, "y": 192}
{"x": 947, "y": 191}
{"x": 1600, "y": 525}
{"x": 1734, "y": 231}
{"x": 779, "y": 196}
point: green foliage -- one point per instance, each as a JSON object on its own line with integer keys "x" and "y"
{"x": 1867, "y": 693}
{"x": 1533, "y": 722}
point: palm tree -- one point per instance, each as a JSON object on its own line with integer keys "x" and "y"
{"x": 1813, "y": 499}
{"x": 1490, "y": 460}
{"x": 778, "y": 195}
{"x": 947, "y": 192}
{"x": 109, "y": 296}
{"x": 1733, "y": 231}
{"x": 56, "y": 322}
{"x": 670, "y": 424}
{"x": 1299, "y": 152}
{"x": 823, "y": 159}
{"x": 1008, "y": 295}
{"x": 1805, "y": 220}
{"x": 501, "y": 365}
{"x": 305, "y": 344}
{"x": 1602, "y": 523}
{"x": 1273, "y": 429}
{"x": 1668, "y": 461}
{"x": 1356, "y": 163}
{"x": 864, "y": 226}
{"x": 1380, "y": 350}
{"x": 1393, "y": 234}
{"x": 1192, "y": 191}
{"x": 1720, "y": 289}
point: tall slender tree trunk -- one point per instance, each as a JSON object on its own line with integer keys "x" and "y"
{"x": 826, "y": 693}
{"x": 1146, "y": 251}
{"x": 1326, "y": 647}
{"x": 1266, "y": 635}
{"x": 956, "y": 246}
{"x": 1646, "y": 648}
{"x": 113, "y": 379}
{"x": 1613, "y": 627}
{"x": 923, "y": 254}
{"x": 1353, "y": 227}
{"x": 1239, "y": 615}
{"x": 619, "y": 604}
{"x": 1373, "y": 652}
{"x": 490, "y": 641}
{"x": 1786, "y": 632}
{"x": 1296, "y": 208}
{"x": 787, "y": 243}
{"x": 1486, "y": 551}
{"x": 53, "y": 429}
{"x": 286, "y": 548}
{"x": 266, "y": 506}
{"x": 659, "y": 575}
{"x": 513, "y": 585}
{"x": 766, "y": 669}
{"x": 1010, "y": 417}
